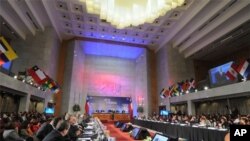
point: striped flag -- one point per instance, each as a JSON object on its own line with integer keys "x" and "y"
{"x": 55, "y": 87}
{"x": 7, "y": 53}
{"x": 244, "y": 68}
{"x": 191, "y": 85}
{"x": 232, "y": 73}
{"x": 130, "y": 108}
{"x": 162, "y": 93}
{"x": 87, "y": 106}
{"x": 38, "y": 75}
{"x": 3, "y": 48}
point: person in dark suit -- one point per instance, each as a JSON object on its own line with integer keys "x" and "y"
{"x": 47, "y": 127}
{"x": 10, "y": 132}
{"x": 74, "y": 130}
{"x": 58, "y": 134}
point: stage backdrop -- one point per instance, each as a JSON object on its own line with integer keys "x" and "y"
{"x": 106, "y": 104}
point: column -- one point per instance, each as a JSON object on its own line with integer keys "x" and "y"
{"x": 191, "y": 107}
{"x": 24, "y": 103}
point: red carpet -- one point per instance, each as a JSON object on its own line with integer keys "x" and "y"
{"x": 117, "y": 133}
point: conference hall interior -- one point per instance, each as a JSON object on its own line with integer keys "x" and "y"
{"x": 124, "y": 70}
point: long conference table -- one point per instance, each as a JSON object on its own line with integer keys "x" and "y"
{"x": 108, "y": 116}
{"x": 187, "y": 132}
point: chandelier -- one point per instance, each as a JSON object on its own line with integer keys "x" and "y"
{"x": 124, "y": 13}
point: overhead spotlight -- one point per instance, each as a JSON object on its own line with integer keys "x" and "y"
{"x": 31, "y": 83}
{"x": 187, "y": 91}
{"x": 15, "y": 77}
{"x": 205, "y": 88}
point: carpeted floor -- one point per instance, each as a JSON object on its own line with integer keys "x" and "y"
{"x": 117, "y": 133}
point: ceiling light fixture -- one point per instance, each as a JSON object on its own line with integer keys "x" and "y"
{"x": 124, "y": 13}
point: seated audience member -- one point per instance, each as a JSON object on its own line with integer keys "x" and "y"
{"x": 25, "y": 132}
{"x": 243, "y": 121}
{"x": 185, "y": 119}
{"x": 237, "y": 119}
{"x": 47, "y": 127}
{"x": 204, "y": 121}
{"x": 10, "y": 132}
{"x": 224, "y": 123}
{"x": 35, "y": 125}
{"x": 74, "y": 130}
{"x": 59, "y": 133}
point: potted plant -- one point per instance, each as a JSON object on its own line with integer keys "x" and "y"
{"x": 140, "y": 110}
{"x": 76, "y": 108}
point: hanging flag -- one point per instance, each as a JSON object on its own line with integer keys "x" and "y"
{"x": 185, "y": 86}
{"x": 180, "y": 86}
{"x": 38, "y": 75}
{"x": 164, "y": 93}
{"x": 3, "y": 59}
{"x": 130, "y": 108}
{"x": 87, "y": 106}
{"x": 55, "y": 87}
{"x": 3, "y": 49}
{"x": 191, "y": 85}
{"x": 1, "y": 62}
{"x": 7, "y": 50}
{"x": 175, "y": 90}
{"x": 171, "y": 90}
{"x": 232, "y": 73}
{"x": 244, "y": 68}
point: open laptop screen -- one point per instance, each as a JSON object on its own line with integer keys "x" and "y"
{"x": 159, "y": 137}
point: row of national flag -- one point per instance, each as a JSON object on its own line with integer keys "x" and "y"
{"x": 42, "y": 79}
{"x": 6, "y": 52}
{"x": 179, "y": 88}
{"x": 242, "y": 68}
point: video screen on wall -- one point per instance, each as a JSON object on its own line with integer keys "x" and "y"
{"x": 164, "y": 112}
{"x": 218, "y": 76}
{"x": 49, "y": 110}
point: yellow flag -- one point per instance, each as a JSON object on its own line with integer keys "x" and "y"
{"x": 10, "y": 54}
